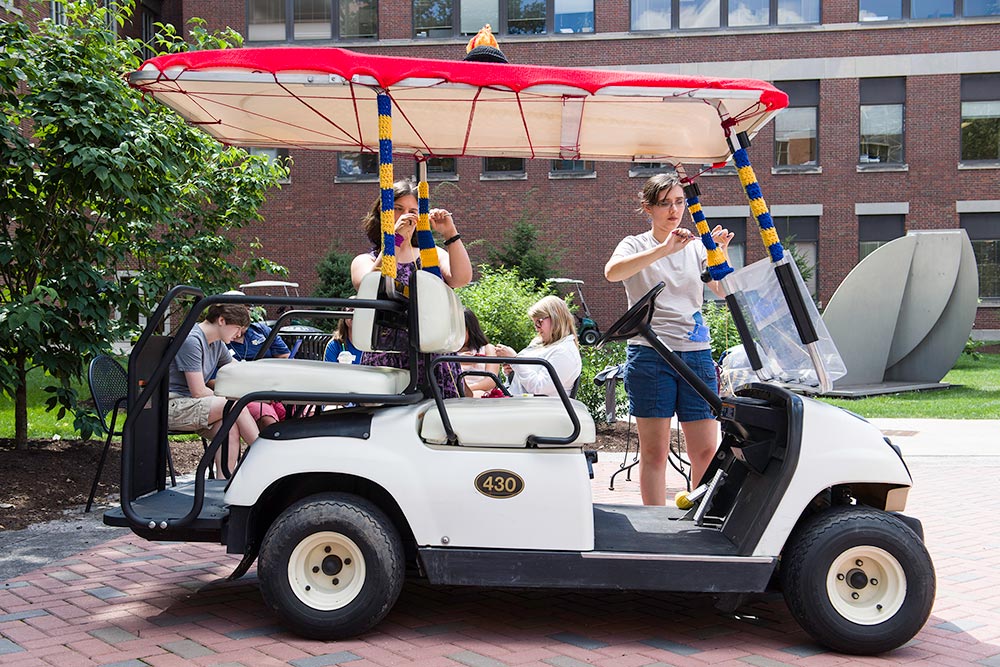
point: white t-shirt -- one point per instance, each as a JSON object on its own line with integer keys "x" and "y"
{"x": 674, "y": 316}
{"x": 564, "y": 355}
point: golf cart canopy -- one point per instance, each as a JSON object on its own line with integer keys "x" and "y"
{"x": 325, "y": 98}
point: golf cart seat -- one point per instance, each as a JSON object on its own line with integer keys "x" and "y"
{"x": 441, "y": 329}
{"x": 304, "y": 375}
{"x": 507, "y": 422}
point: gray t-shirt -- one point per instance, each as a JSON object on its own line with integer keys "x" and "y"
{"x": 196, "y": 354}
{"x": 674, "y": 316}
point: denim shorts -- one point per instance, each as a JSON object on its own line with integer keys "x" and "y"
{"x": 656, "y": 390}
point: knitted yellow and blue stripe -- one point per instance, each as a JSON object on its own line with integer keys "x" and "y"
{"x": 758, "y": 207}
{"x": 387, "y": 219}
{"x": 425, "y": 238}
{"x": 718, "y": 267}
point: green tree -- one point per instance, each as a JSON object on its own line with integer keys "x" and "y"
{"x": 500, "y": 299}
{"x": 522, "y": 250}
{"x": 334, "y": 272}
{"x": 96, "y": 180}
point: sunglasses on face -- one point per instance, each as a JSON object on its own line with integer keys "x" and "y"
{"x": 537, "y": 321}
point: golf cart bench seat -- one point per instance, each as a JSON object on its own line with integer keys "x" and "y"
{"x": 302, "y": 375}
{"x": 507, "y": 422}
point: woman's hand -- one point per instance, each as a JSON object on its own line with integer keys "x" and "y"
{"x": 406, "y": 224}
{"x": 505, "y": 350}
{"x": 722, "y": 237}
{"x": 442, "y": 222}
{"x": 676, "y": 240}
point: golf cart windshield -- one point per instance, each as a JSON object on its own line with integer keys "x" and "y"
{"x": 333, "y": 99}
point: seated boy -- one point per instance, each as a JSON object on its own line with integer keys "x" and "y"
{"x": 192, "y": 405}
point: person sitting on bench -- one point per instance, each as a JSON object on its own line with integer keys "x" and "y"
{"x": 192, "y": 405}
{"x": 555, "y": 342}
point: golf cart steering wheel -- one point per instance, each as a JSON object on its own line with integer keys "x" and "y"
{"x": 628, "y": 324}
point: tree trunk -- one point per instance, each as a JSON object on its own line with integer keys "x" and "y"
{"x": 21, "y": 406}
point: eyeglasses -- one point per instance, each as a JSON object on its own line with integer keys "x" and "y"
{"x": 537, "y": 321}
{"x": 676, "y": 203}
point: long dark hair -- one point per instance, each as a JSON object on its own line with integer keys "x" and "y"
{"x": 372, "y": 222}
{"x": 477, "y": 339}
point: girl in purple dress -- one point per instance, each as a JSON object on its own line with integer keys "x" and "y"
{"x": 453, "y": 259}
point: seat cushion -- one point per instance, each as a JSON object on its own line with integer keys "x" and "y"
{"x": 507, "y": 422}
{"x": 302, "y": 375}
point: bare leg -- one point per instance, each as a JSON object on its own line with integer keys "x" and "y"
{"x": 246, "y": 429}
{"x": 654, "y": 448}
{"x": 702, "y": 439}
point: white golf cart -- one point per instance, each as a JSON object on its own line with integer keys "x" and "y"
{"x": 338, "y": 507}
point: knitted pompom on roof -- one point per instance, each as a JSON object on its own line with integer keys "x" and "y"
{"x": 483, "y": 48}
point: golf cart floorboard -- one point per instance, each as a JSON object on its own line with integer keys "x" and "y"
{"x": 655, "y": 530}
{"x": 173, "y": 503}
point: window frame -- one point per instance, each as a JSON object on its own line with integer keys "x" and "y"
{"x": 873, "y": 228}
{"x": 289, "y": 37}
{"x": 977, "y": 88}
{"x": 906, "y": 13}
{"x": 724, "y": 5}
{"x": 983, "y": 227}
{"x": 362, "y": 177}
{"x": 802, "y": 94}
{"x": 502, "y": 27}
{"x": 586, "y": 172}
{"x": 279, "y": 154}
{"x": 882, "y": 91}
{"x": 805, "y": 229}
{"x": 486, "y": 174}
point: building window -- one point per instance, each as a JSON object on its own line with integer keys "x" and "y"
{"x": 874, "y": 231}
{"x": 304, "y": 20}
{"x": 647, "y": 169}
{"x": 795, "y": 134}
{"x": 148, "y": 34}
{"x": 572, "y": 169}
{"x": 882, "y": 105}
{"x": 981, "y": 8}
{"x": 669, "y": 14}
{"x": 274, "y": 155}
{"x": 894, "y": 10}
{"x": 436, "y": 18}
{"x": 442, "y": 168}
{"x": 980, "y": 117}
{"x": 503, "y": 166}
{"x": 802, "y": 233}
{"x": 57, "y": 12}
{"x": 357, "y": 166}
{"x": 984, "y": 232}
{"x": 737, "y": 247}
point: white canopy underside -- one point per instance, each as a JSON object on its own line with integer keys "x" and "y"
{"x": 441, "y": 119}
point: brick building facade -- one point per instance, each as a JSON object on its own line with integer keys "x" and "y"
{"x": 908, "y": 84}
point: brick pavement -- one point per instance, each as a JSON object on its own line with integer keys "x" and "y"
{"x": 132, "y": 603}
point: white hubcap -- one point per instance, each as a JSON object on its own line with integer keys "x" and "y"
{"x": 866, "y": 585}
{"x": 326, "y": 570}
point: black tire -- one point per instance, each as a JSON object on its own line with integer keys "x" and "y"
{"x": 331, "y": 566}
{"x": 590, "y": 336}
{"x": 856, "y": 551}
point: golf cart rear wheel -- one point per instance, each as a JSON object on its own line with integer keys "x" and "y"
{"x": 331, "y": 566}
{"x": 590, "y": 336}
{"x": 858, "y": 580}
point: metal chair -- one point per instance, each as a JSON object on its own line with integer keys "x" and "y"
{"x": 109, "y": 388}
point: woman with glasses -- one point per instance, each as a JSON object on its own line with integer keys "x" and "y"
{"x": 675, "y": 256}
{"x": 555, "y": 341}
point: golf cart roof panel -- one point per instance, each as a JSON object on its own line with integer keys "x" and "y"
{"x": 326, "y": 99}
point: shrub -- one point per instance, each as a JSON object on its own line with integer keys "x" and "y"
{"x": 521, "y": 250}
{"x": 335, "y": 275}
{"x": 595, "y": 361}
{"x": 720, "y": 324}
{"x": 500, "y": 299}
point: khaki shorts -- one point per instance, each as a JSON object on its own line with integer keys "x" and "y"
{"x": 188, "y": 414}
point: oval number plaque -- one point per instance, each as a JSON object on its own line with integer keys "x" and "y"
{"x": 499, "y": 484}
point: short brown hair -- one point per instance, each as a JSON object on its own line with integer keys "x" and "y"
{"x": 650, "y": 194}
{"x": 235, "y": 313}
{"x": 372, "y": 222}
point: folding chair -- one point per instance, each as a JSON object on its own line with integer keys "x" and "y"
{"x": 109, "y": 388}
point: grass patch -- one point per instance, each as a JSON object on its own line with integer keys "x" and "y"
{"x": 975, "y": 396}
{"x": 42, "y": 425}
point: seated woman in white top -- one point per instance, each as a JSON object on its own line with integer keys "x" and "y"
{"x": 555, "y": 342}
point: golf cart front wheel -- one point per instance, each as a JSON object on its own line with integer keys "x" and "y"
{"x": 590, "y": 337}
{"x": 858, "y": 580}
{"x": 331, "y": 566}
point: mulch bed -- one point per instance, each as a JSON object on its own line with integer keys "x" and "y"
{"x": 51, "y": 478}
